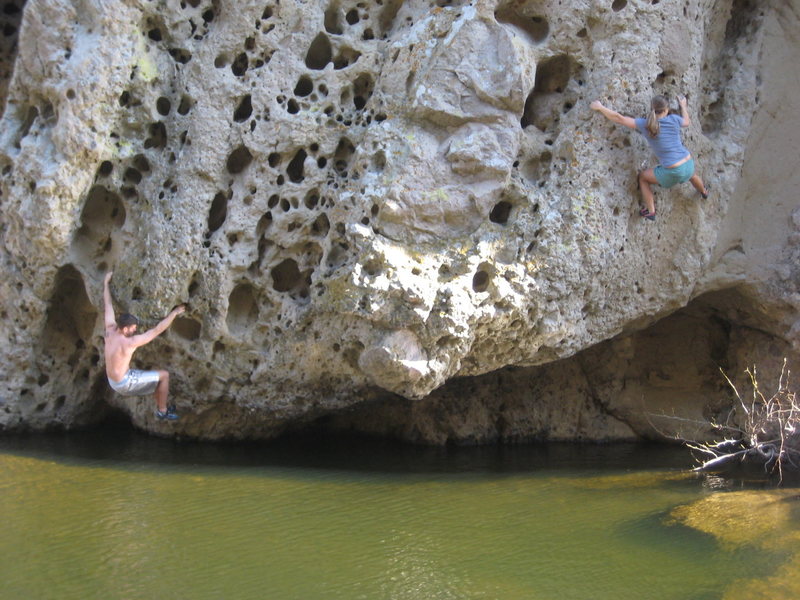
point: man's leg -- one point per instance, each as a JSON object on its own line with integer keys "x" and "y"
{"x": 162, "y": 391}
{"x": 646, "y": 179}
{"x": 698, "y": 184}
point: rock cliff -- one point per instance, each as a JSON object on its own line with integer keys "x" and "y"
{"x": 398, "y": 217}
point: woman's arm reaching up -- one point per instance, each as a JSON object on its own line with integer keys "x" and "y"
{"x": 613, "y": 115}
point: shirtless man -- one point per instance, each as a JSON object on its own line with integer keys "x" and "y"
{"x": 120, "y": 343}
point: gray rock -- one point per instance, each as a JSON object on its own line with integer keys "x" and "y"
{"x": 402, "y": 217}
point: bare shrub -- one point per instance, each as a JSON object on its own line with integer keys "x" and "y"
{"x": 761, "y": 431}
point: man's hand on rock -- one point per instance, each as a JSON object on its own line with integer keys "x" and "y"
{"x": 596, "y": 105}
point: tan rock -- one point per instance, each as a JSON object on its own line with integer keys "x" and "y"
{"x": 362, "y": 202}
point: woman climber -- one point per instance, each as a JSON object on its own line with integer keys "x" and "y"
{"x": 663, "y": 133}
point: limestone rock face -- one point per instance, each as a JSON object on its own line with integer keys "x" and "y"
{"x": 396, "y": 216}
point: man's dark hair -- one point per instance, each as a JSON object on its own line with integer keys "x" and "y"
{"x": 126, "y": 319}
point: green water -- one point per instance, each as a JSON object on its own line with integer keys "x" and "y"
{"x": 119, "y": 515}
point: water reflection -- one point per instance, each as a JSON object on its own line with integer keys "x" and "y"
{"x": 127, "y": 446}
{"x": 113, "y": 514}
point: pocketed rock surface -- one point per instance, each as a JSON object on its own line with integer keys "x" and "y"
{"x": 396, "y": 217}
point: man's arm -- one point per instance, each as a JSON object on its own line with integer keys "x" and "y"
{"x": 151, "y": 334}
{"x": 684, "y": 111}
{"x": 108, "y": 306}
{"x": 613, "y": 115}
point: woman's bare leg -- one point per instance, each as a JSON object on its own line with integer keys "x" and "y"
{"x": 646, "y": 179}
{"x": 698, "y": 184}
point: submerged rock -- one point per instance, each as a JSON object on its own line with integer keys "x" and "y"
{"x": 400, "y": 217}
{"x": 762, "y": 522}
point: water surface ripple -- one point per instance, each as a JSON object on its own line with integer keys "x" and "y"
{"x": 118, "y": 515}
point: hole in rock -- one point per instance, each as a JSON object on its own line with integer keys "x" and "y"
{"x": 286, "y": 276}
{"x": 187, "y": 328}
{"x": 304, "y": 86}
{"x": 141, "y": 163}
{"x": 194, "y": 286}
{"x": 180, "y": 55}
{"x": 362, "y": 90}
{"x": 311, "y": 200}
{"x": 274, "y": 159}
{"x": 321, "y": 226}
{"x": 158, "y": 136}
{"x": 500, "y": 212}
{"x": 714, "y": 116}
{"x": 132, "y": 176}
{"x": 378, "y": 162}
{"x": 244, "y": 110}
{"x": 239, "y": 65}
{"x": 552, "y": 76}
{"x": 30, "y": 116}
{"x": 618, "y": 5}
{"x": 387, "y": 16}
{"x": 102, "y": 213}
{"x": 185, "y": 105}
{"x": 129, "y": 192}
{"x": 69, "y": 323}
{"x": 535, "y": 28}
{"x": 239, "y": 160}
{"x": 345, "y": 58}
{"x": 481, "y": 279}
{"x": 742, "y": 22}
{"x": 352, "y": 16}
{"x": 218, "y": 212}
{"x": 295, "y": 168}
{"x": 319, "y": 53}
{"x": 342, "y": 156}
{"x": 333, "y": 23}
{"x": 163, "y": 106}
{"x": 242, "y": 309}
{"x": 105, "y": 168}
{"x": 263, "y": 224}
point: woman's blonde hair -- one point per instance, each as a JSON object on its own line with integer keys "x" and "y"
{"x": 657, "y": 105}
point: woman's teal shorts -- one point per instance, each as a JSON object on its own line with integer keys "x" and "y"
{"x": 669, "y": 177}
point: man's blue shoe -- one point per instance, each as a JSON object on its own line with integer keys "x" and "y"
{"x": 168, "y": 415}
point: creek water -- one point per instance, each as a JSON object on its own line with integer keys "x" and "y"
{"x": 116, "y": 514}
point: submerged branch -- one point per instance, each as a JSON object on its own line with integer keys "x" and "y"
{"x": 766, "y": 430}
